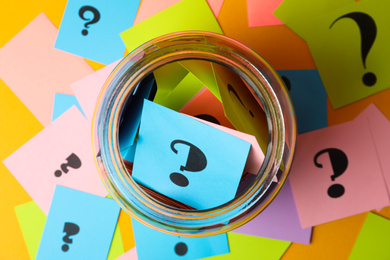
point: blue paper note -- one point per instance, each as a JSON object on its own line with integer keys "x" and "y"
{"x": 91, "y": 29}
{"x": 309, "y": 98}
{"x": 79, "y": 226}
{"x": 153, "y": 244}
{"x": 187, "y": 160}
{"x": 62, "y": 102}
{"x": 132, "y": 112}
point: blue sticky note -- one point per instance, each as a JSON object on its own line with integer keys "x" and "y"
{"x": 309, "y": 98}
{"x": 153, "y": 244}
{"x": 131, "y": 115}
{"x": 91, "y": 29}
{"x": 187, "y": 160}
{"x": 62, "y": 102}
{"x": 79, "y": 226}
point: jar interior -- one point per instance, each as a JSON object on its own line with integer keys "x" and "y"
{"x": 211, "y": 93}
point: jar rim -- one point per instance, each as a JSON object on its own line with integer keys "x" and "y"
{"x": 120, "y": 84}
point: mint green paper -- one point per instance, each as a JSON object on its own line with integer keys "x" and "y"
{"x": 183, "y": 16}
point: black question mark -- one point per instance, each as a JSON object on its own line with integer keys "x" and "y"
{"x": 368, "y": 32}
{"x": 339, "y": 161}
{"x": 232, "y": 90}
{"x": 181, "y": 249}
{"x": 95, "y": 19}
{"x": 70, "y": 229}
{"x": 73, "y": 161}
{"x": 208, "y": 118}
{"x": 196, "y": 162}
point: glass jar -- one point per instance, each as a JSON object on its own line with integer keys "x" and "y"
{"x": 262, "y": 82}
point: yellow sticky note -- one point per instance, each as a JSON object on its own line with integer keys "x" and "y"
{"x": 373, "y": 239}
{"x": 183, "y": 16}
{"x": 32, "y": 221}
{"x": 167, "y": 78}
{"x": 240, "y": 105}
{"x": 295, "y": 13}
{"x": 203, "y": 70}
{"x": 182, "y": 93}
{"x": 350, "y": 48}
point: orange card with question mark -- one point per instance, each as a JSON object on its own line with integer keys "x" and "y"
{"x": 336, "y": 173}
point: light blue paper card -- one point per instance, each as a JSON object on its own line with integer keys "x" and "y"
{"x": 132, "y": 112}
{"x": 187, "y": 160}
{"x": 153, "y": 244}
{"x": 309, "y": 98}
{"x": 79, "y": 226}
{"x": 91, "y": 29}
{"x": 62, "y": 102}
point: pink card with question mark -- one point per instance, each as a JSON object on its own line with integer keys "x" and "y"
{"x": 336, "y": 174}
{"x": 60, "y": 154}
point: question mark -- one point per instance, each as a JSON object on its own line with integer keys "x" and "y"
{"x": 368, "y": 31}
{"x": 95, "y": 19}
{"x": 181, "y": 249}
{"x": 286, "y": 82}
{"x": 339, "y": 163}
{"x": 72, "y": 161}
{"x": 232, "y": 90}
{"x": 196, "y": 162}
{"x": 70, "y": 229}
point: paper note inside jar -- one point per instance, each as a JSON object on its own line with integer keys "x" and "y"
{"x": 187, "y": 160}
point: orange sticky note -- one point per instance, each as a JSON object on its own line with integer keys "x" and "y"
{"x": 35, "y": 71}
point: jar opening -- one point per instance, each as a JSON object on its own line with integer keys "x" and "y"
{"x": 190, "y": 64}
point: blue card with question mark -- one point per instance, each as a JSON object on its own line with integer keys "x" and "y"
{"x": 153, "y": 244}
{"x": 91, "y": 29}
{"x": 79, "y": 226}
{"x": 187, "y": 160}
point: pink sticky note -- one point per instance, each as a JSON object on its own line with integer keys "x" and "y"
{"x": 60, "y": 154}
{"x": 88, "y": 88}
{"x": 129, "y": 255}
{"x": 148, "y": 8}
{"x": 255, "y": 156}
{"x": 336, "y": 174}
{"x": 215, "y": 6}
{"x": 380, "y": 129}
{"x": 35, "y": 71}
{"x": 260, "y": 12}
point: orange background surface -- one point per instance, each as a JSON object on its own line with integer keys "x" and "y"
{"x": 278, "y": 44}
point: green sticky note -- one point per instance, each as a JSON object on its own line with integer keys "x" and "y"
{"x": 167, "y": 78}
{"x": 373, "y": 240}
{"x": 183, "y": 16}
{"x": 203, "y": 70}
{"x": 252, "y": 247}
{"x": 116, "y": 248}
{"x": 32, "y": 221}
{"x": 350, "y": 49}
{"x": 295, "y": 13}
{"x": 182, "y": 93}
